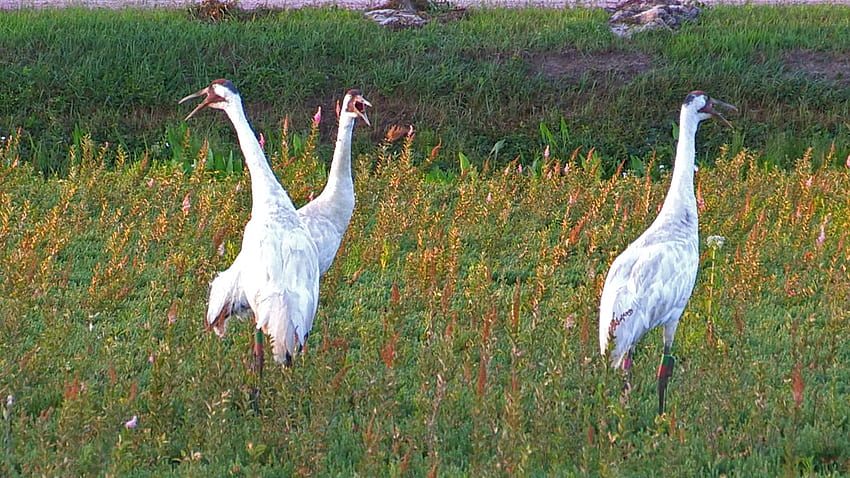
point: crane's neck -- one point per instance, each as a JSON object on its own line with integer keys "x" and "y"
{"x": 680, "y": 200}
{"x": 266, "y": 191}
{"x": 339, "y": 178}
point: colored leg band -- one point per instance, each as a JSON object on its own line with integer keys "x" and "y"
{"x": 665, "y": 370}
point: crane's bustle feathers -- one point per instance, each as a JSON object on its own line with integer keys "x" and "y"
{"x": 226, "y": 299}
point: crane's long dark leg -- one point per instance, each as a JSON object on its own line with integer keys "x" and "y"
{"x": 665, "y": 371}
{"x": 259, "y": 360}
{"x": 259, "y": 357}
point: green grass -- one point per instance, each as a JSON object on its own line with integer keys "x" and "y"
{"x": 469, "y": 83}
{"x": 456, "y": 332}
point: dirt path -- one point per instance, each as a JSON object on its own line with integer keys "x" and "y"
{"x": 368, "y": 4}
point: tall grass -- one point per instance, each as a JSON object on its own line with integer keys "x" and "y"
{"x": 469, "y": 83}
{"x": 456, "y": 330}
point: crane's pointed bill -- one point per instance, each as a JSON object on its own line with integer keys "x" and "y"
{"x": 359, "y": 105}
{"x": 211, "y": 98}
{"x": 709, "y": 108}
{"x": 186, "y": 98}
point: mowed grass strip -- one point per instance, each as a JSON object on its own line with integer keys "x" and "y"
{"x": 491, "y": 76}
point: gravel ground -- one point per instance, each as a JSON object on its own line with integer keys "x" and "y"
{"x": 369, "y": 4}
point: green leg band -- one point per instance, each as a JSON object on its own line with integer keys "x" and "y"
{"x": 258, "y": 353}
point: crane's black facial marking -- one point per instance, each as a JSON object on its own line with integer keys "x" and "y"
{"x": 694, "y": 95}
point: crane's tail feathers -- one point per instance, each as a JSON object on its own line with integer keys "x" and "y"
{"x": 219, "y": 323}
{"x": 278, "y": 318}
{"x": 603, "y": 343}
{"x": 606, "y": 316}
{"x": 611, "y": 332}
{"x": 226, "y": 299}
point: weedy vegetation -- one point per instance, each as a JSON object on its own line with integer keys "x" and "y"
{"x": 456, "y": 332}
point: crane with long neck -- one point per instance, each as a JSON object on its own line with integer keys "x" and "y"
{"x": 649, "y": 284}
{"x": 276, "y": 273}
{"x": 328, "y": 215}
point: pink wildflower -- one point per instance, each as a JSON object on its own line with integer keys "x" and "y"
{"x": 822, "y": 235}
{"x": 546, "y": 152}
{"x": 262, "y": 141}
{"x": 132, "y": 423}
{"x": 489, "y": 197}
{"x": 150, "y": 183}
{"x": 317, "y": 118}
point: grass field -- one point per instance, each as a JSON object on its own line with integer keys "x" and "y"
{"x": 493, "y": 76}
{"x": 456, "y": 333}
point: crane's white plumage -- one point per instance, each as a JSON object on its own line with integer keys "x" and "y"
{"x": 327, "y": 216}
{"x": 276, "y": 274}
{"x": 649, "y": 284}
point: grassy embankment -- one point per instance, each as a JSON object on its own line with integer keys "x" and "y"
{"x": 496, "y": 75}
{"x": 456, "y": 332}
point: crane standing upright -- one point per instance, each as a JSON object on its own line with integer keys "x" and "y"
{"x": 276, "y": 273}
{"x": 327, "y": 216}
{"x": 649, "y": 284}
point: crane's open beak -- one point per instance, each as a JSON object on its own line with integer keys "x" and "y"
{"x": 209, "y": 99}
{"x": 709, "y": 108}
{"x": 360, "y": 104}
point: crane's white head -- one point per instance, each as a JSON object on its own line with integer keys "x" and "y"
{"x": 354, "y": 106}
{"x": 219, "y": 94}
{"x": 701, "y": 104}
